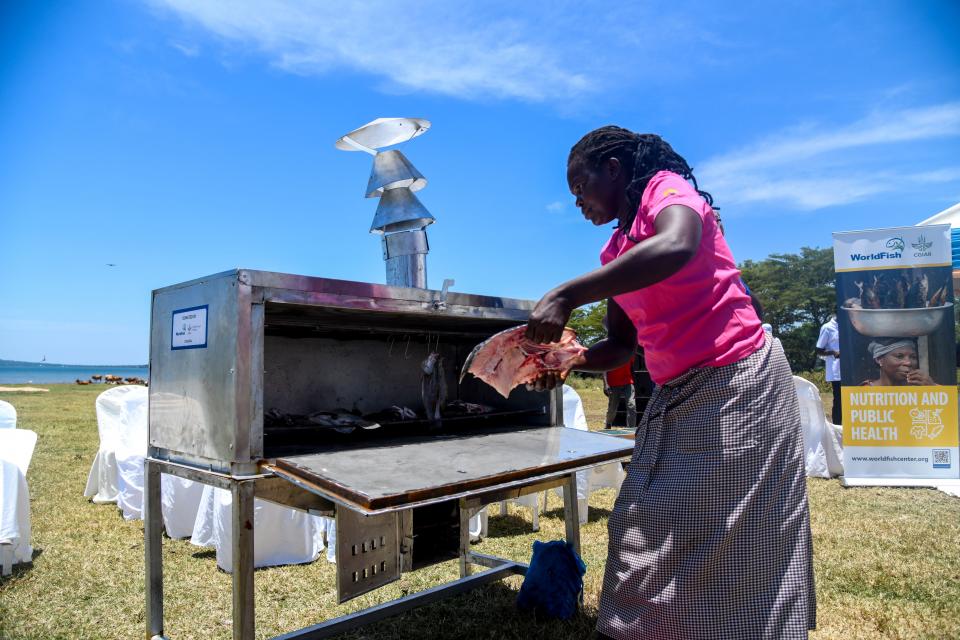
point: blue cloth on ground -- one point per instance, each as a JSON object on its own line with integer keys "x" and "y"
{"x": 554, "y": 580}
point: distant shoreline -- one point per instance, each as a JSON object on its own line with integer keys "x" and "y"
{"x": 49, "y": 373}
{"x": 23, "y": 363}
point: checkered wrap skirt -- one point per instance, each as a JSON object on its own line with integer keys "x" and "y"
{"x": 710, "y": 535}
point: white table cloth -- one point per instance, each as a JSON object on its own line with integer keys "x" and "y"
{"x": 280, "y": 536}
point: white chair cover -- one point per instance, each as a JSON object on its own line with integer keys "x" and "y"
{"x": 329, "y": 528}
{"x": 14, "y": 516}
{"x": 130, "y": 410}
{"x": 16, "y": 452}
{"x": 117, "y": 471}
{"x": 607, "y": 475}
{"x": 822, "y": 442}
{"x": 280, "y": 536}
{"x": 180, "y": 503}
{"x": 16, "y": 447}
{"x": 117, "y": 408}
{"x": 8, "y": 415}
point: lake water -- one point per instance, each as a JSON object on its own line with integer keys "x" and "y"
{"x": 24, "y": 373}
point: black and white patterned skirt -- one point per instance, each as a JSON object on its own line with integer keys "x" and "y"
{"x": 710, "y": 535}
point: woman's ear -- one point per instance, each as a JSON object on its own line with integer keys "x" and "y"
{"x": 613, "y": 167}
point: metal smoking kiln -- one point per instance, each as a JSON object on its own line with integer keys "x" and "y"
{"x": 241, "y": 359}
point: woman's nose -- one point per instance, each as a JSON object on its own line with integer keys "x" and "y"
{"x": 579, "y": 202}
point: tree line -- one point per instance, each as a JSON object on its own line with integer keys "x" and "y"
{"x": 796, "y": 290}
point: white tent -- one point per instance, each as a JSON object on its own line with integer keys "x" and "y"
{"x": 949, "y": 216}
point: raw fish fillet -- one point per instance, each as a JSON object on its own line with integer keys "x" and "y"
{"x": 508, "y": 359}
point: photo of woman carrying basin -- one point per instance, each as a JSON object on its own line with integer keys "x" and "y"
{"x": 890, "y": 321}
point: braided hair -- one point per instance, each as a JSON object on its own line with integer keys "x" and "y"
{"x": 640, "y": 154}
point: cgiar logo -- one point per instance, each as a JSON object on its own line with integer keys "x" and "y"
{"x": 922, "y": 244}
{"x": 895, "y": 244}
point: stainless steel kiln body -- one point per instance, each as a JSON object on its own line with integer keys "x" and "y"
{"x": 207, "y": 399}
{"x": 227, "y": 348}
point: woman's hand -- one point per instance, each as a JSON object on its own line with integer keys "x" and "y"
{"x": 550, "y": 379}
{"x": 549, "y": 317}
{"x": 919, "y": 378}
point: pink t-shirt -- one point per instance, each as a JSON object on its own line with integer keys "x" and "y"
{"x": 700, "y": 316}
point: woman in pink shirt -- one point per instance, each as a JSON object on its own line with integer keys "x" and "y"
{"x": 710, "y": 535}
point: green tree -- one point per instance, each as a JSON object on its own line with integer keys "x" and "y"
{"x": 588, "y": 322}
{"x": 798, "y": 295}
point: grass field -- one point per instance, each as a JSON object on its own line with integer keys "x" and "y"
{"x": 887, "y": 560}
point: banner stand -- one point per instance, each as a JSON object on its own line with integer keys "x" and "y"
{"x": 895, "y": 316}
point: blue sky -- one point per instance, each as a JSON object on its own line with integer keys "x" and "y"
{"x": 177, "y": 139}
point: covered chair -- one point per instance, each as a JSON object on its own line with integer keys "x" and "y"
{"x": 281, "y": 535}
{"x": 179, "y": 503}
{"x": 119, "y": 410}
{"x": 117, "y": 471}
{"x": 8, "y": 415}
{"x": 16, "y": 452}
{"x": 16, "y": 447}
{"x": 129, "y": 408}
{"x": 606, "y": 475}
{"x": 822, "y": 440}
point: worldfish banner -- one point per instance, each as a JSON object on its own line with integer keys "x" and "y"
{"x": 897, "y": 354}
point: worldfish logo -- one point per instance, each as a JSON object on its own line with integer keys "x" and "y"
{"x": 880, "y": 255}
{"x": 895, "y": 244}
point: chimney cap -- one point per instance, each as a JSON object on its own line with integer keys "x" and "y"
{"x": 383, "y": 132}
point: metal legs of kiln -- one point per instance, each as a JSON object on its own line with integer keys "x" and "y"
{"x": 469, "y": 506}
{"x": 243, "y": 491}
{"x": 153, "y": 551}
{"x": 241, "y": 515}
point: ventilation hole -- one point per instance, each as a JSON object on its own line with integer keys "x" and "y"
{"x": 383, "y": 565}
{"x": 373, "y": 544}
{"x": 354, "y": 576}
{"x": 383, "y": 541}
{"x": 354, "y": 549}
{"x": 364, "y": 572}
{"x": 364, "y": 547}
{"x": 373, "y": 570}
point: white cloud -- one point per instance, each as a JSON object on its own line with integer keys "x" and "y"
{"x": 433, "y": 46}
{"x": 555, "y": 207}
{"x": 191, "y": 51}
{"x": 948, "y": 174}
{"x": 810, "y": 167}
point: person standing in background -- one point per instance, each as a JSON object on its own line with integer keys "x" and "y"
{"x": 828, "y": 348}
{"x": 618, "y": 383}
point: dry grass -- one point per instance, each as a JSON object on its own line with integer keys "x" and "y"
{"x": 887, "y": 561}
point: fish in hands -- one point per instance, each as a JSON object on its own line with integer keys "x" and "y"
{"x": 509, "y": 359}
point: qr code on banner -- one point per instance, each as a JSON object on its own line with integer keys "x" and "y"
{"x": 941, "y": 458}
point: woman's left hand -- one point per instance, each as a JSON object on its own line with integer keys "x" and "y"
{"x": 549, "y": 317}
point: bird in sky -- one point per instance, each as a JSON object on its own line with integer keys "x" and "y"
{"x": 111, "y": 264}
